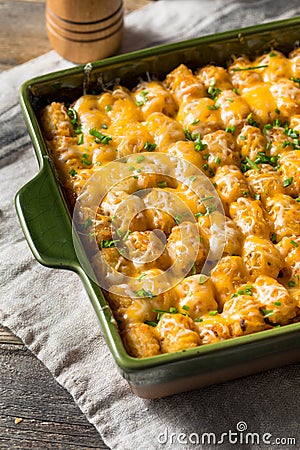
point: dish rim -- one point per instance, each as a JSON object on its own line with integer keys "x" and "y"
{"x": 126, "y": 362}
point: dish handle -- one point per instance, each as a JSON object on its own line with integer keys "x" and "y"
{"x": 45, "y": 221}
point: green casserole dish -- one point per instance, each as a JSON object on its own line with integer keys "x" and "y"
{"x": 47, "y": 223}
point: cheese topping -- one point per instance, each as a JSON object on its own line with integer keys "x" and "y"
{"x": 187, "y": 194}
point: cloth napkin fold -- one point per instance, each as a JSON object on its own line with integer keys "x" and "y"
{"x": 50, "y": 311}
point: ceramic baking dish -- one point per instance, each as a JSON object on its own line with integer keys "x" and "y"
{"x": 46, "y": 220}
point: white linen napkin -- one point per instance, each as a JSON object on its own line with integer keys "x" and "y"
{"x": 50, "y": 311}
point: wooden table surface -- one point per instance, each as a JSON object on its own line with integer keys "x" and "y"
{"x": 50, "y": 418}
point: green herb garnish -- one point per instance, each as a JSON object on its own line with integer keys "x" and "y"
{"x": 149, "y": 147}
{"x": 266, "y": 312}
{"x": 85, "y": 159}
{"x": 88, "y": 223}
{"x": 162, "y": 184}
{"x": 72, "y": 113}
{"x": 106, "y": 243}
{"x": 213, "y": 92}
{"x": 143, "y": 293}
{"x": 149, "y": 322}
{"x": 251, "y": 121}
{"x": 232, "y": 130}
{"x": 140, "y": 158}
{"x": 99, "y": 137}
{"x": 240, "y": 69}
{"x": 288, "y": 181}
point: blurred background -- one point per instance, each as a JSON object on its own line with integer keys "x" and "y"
{"x": 23, "y": 34}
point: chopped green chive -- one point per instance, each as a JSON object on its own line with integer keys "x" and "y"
{"x": 295, "y": 244}
{"x": 193, "y": 270}
{"x": 140, "y": 277}
{"x": 149, "y": 147}
{"x": 267, "y": 312}
{"x": 162, "y": 184}
{"x": 296, "y": 80}
{"x": 99, "y": 137}
{"x": 78, "y": 130}
{"x": 277, "y": 303}
{"x": 251, "y": 121}
{"x": 140, "y": 159}
{"x": 80, "y": 139}
{"x": 72, "y": 172}
{"x": 199, "y": 146}
{"x": 213, "y": 107}
{"x": 277, "y": 123}
{"x": 149, "y": 322}
{"x": 178, "y": 218}
{"x": 143, "y": 293}
{"x": 240, "y": 69}
{"x": 108, "y": 243}
{"x": 230, "y": 129}
{"x": 213, "y": 92}
{"x": 202, "y": 279}
{"x": 88, "y": 223}
{"x": 288, "y": 181}
{"x": 125, "y": 237}
{"x": 252, "y": 164}
{"x": 72, "y": 113}
{"x": 85, "y": 159}
{"x": 267, "y": 126}
{"x": 143, "y": 98}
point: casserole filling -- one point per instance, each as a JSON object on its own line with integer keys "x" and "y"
{"x": 233, "y": 242}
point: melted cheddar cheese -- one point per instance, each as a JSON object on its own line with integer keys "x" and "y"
{"x": 239, "y": 126}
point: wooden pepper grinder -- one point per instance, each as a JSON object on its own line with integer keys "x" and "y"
{"x": 84, "y": 31}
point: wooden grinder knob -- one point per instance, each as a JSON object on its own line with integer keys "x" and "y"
{"x": 84, "y": 31}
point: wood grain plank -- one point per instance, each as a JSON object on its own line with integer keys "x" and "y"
{"x": 50, "y": 417}
{"x": 23, "y": 34}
